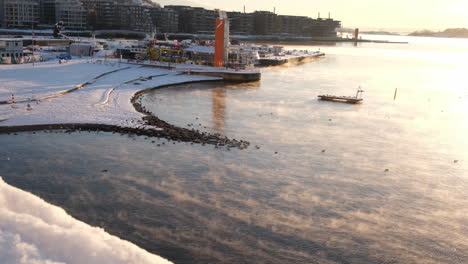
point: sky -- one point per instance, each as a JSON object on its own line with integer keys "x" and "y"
{"x": 397, "y": 15}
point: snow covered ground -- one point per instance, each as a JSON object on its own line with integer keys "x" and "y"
{"x": 104, "y": 100}
{"x": 33, "y": 231}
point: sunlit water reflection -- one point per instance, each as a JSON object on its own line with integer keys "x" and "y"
{"x": 316, "y": 189}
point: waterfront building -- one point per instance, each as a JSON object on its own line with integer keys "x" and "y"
{"x": 165, "y": 20}
{"x": 145, "y": 17}
{"x": 320, "y": 27}
{"x": 20, "y": 13}
{"x": 100, "y": 14}
{"x": 292, "y": 25}
{"x": 134, "y": 17}
{"x": 1, "y": 13}
{"x": 11, "y": 49}
{"x": 111, "y": 15}
{"x": 70, "y": 12}
{"x": 195, "y": 20}
{"x": 241, "y": 23}
{"x": 182, "y": 11}
{"x": 266, "y": 23}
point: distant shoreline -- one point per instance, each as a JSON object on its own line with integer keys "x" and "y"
{"x": 448, "y": 33}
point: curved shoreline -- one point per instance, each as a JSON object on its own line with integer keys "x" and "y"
{"x": 161, "y": 129}
{"x": 189, "y": 135}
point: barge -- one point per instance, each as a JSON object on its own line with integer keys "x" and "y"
{"x": 343, "y": 99}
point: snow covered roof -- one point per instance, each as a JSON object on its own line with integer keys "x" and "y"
{"x": 201, "y": 49}
{"x": 82, "y": 44}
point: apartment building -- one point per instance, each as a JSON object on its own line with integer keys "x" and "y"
{"x": 20, "y": 13}
{"x": 70, "y": 12}
{"x": 165, "y": 20}
{"x": 241, "y": 23}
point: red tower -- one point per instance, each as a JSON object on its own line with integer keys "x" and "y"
{"x": 221, "y": 40}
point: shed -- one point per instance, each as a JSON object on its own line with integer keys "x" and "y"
{"x": 82, "y": 49}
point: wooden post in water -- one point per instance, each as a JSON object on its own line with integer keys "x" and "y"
{"x": 394, "y": 96}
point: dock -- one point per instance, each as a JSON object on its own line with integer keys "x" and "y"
{"x": 227, "y": 74}
{"x": 280, "y": 60}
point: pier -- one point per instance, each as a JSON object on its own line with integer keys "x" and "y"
{"x": 280, "y": 60}
{"x": 227, "y": 74}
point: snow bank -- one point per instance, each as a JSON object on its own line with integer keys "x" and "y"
{"x": 35, "y": 232}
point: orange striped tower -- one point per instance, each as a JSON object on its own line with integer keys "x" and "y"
{"x": 221, "y": 40}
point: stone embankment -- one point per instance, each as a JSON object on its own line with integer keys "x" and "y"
{"x": 184, "y": 134}
{"x": 166, "y": 131}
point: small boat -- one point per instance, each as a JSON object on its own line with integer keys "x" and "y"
{"x": 343, "y": 99}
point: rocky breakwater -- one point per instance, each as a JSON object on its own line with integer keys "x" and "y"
{"x": 163, "y": 130}
{"x": 172, "y": 132}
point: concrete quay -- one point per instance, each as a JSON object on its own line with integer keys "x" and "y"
{"x": 280, "y": 60}
{"x": 227, "y": 74}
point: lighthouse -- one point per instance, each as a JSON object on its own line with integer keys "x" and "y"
{"x": 221, "y": 40}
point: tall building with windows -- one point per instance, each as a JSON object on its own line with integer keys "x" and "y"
{"x": 134, "y": 17}
{"x": 266, "y": 23}
{"x": 101, "y": 14}
{"x": 70, "y": 12}
{"x": 112, "y": 15}
{"x": 320, "y": 27}
{"x": 241, "y": 23}
{"x": 165, "y": 20}
{"x": 195, "y": 20}
{"x": 1, "y": 13}
{"x": 292, "y": 25}
{"x": 20, "y": 13}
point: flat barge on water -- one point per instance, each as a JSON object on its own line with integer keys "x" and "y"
{"x": 343, "y": 99}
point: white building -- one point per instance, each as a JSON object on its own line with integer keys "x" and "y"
{"x": 11, "y": 48}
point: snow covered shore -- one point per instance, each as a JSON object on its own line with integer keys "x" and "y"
{"x": 96, "y": 97}
{"x": 33, "y": 231}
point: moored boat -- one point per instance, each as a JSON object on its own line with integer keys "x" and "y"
{"x": 343, "y": 99}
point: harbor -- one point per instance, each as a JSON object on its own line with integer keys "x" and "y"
{"x": 186, "y": 194}
{"x": 138, "y": 132}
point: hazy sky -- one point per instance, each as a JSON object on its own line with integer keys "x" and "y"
{"x": 396, "y": 14}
